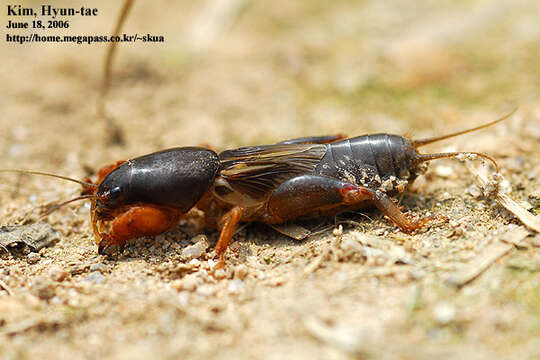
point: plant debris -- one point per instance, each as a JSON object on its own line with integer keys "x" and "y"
{"x": 479, "y": 264}
{"x": 5, "y": 287}
{"x": 35, "y": 236}
{"x": 491, "y": 188}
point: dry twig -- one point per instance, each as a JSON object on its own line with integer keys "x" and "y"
{"x": 6, "y": 288}
{"x": 349, "y": 340}
{"x": 529, "y": 220}
{"x": 109, "y": 56}
{"x": 316, "y": 264}
{"x": 113, "y": 130}
{"x": 479, "y": 264}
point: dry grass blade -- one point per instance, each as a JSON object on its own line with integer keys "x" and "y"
{"x": 6, "y": 288}
{"x": 529, "y": 220}
{"x": 115, "y": 135}
{"x": 516, "y": 235}
{"x": 23, "y": 326}
{"x": 479, "y": 264}
{"x": 349, "y": 340}
{"x": 316, "y": 264}
{"x": 291, "y": 230}
{"x": 111, "y": 50}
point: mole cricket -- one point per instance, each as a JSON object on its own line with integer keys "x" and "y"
{"x": 300, "y": 178}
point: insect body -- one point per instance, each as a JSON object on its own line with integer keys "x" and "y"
{"x": 277, "y": 183}
{"x": 306, "y": 177}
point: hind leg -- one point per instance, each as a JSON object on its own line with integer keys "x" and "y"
{"x": 310, "y": 193}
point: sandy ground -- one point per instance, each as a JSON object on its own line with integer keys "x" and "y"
{"x": 243, "y": 72}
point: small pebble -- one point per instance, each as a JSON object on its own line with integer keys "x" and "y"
{"x": 217, "y": 307}
{"x": 58, "y": 274}
{"x": 402, "y": 277}
{"x": 183, "y": 299}
{"x": 444, "y": 171}
{"x": 229, "y": 272}
{"x": 338, "y": 231}
{"x": 535, "y": 195}
{"x": 43, "y": 288}
{"x": 95, "y": 278}
{"x": 206, "y": 290}
{"x": 417, "y": 274}
{"x": 277, "y": 281}
{"x": 240, "y": 271}
{"x": 56, "y": 300}
{"x": 32, "y": 301}
{"x": 515, "y": 164}
{"x": 444, "y": 313}
{"x": 102, "y": 268}
{"x": 164, "y": 267}
{"x": 74, "y": 302}
{"x": 177, "y": 285}
{"x": 182, "y": 269}
{"x": 474, "y": 191}
{"x": 195, "y": 251}
{"x": 351, "y": 247}
{"x": 165, "y": 245}
{"x": 235, "y": 286}
{"x": 33, "y": 258}
{"x": 445, "y": 196}
{"x": 195, "y": 263}
{"x": 457, "y": 231}
{"x": 219, "y": 274}
{"x": 190, "y": 283}
{"x": 77, "y": 268}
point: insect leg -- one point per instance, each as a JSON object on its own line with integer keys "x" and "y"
{"x": 309, "y": 193}
{"x": 138, "y": 221}
{"x": 229, "y": 222}
{"x": 326, "y": 139}
{"x": 387, "y": 206}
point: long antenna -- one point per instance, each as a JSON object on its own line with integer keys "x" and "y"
{"x": 58, "y": 206}
{"x": 418, "y": 143}
{"x": 30, "y": 172}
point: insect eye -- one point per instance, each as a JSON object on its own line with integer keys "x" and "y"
{"x": 115, "y": 193}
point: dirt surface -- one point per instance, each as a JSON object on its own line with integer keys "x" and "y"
{"x": 248, "y": 73}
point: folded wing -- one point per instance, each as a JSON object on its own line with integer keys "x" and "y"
{"x": 258, "y": 170}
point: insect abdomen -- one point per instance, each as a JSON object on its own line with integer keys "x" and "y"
{"x": 366, "y": 160}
